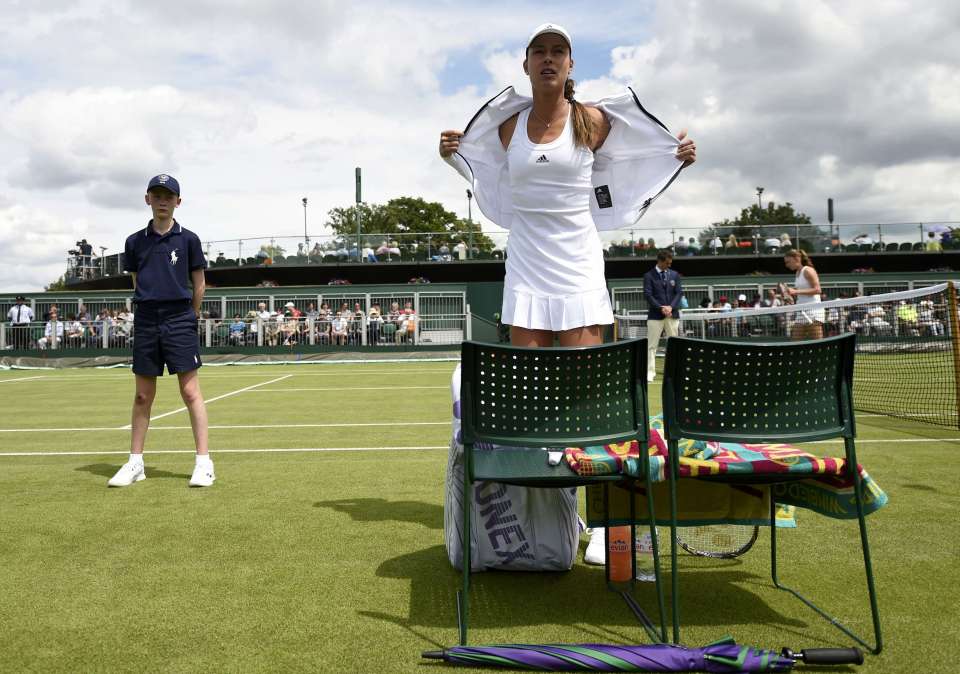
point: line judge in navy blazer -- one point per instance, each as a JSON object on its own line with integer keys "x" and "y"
{"x": 661, "y": 287}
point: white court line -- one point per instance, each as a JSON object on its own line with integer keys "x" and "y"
{"x": 220, "y": 397}
{"x": 394, "y": 424}
{"x": 6, "y": 381}
{"x": 274, "y": 450}
{"x": 234, "y": 373}
{"x": 348, "y": 388}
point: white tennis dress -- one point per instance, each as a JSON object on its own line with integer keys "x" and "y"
{"x": 554, "y": 269}
{"x": 812, "y": 314}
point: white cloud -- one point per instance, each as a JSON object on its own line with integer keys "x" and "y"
{"x": 254, "y": 105}
{"x": 37, "y": 244}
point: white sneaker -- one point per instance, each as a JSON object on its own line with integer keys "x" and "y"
{"x": 596, "y": 552}
{"x": 202, "y": 476}
{"x": 129, "y": 473}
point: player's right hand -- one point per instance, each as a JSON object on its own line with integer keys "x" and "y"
{"x": 449, "y": 142}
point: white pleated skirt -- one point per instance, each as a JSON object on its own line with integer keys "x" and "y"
{"x": 556, "y": 312}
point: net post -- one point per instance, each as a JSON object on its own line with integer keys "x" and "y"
{"x": 955, "y": 341}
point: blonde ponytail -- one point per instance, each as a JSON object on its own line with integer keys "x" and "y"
{"x": 584, "y": 128}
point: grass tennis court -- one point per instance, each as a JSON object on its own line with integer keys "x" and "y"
{"x": 320, "y": 547}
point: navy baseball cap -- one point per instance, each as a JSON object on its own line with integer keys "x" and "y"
{"x": 166, "y": 182}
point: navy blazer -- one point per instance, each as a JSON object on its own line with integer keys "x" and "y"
{"x": 660, "y": 294}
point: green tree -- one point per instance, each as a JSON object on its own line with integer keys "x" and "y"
{"x": 755, "y": 221}
{"x": 59, "y": 284}
{"x": 411, "y": 221}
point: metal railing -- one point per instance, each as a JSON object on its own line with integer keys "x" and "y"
{"x": 455, "y": 246}
{"x": 273, "y": 330}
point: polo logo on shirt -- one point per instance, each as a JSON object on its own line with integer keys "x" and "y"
{"x": 542, "y": 159}
{"x": 173, "y": 257}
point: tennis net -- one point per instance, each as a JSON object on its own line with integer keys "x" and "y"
{"x": 908, "y": 346}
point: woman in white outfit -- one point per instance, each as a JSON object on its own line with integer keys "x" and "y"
{"x": 554, "y": 285}
{"x": 806, "y": 291}
{"x": 545, "y": 190}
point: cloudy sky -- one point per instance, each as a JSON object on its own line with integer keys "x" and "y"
{"x": 254, "y": 104}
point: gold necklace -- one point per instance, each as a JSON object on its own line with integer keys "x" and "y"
{"x": 541, "y": 120}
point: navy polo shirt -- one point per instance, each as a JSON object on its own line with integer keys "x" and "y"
{"x": 163, "y": 263}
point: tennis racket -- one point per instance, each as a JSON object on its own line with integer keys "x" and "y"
{"x": 720, "y": 541}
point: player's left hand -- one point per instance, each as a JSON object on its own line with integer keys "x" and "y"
{"x": 687, "y": 150}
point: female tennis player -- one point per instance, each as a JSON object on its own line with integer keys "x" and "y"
{"x": 554, "y": 171}
{"x": 807, "y": 324}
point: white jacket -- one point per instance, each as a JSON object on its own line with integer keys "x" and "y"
{"x": 634, "y": 166}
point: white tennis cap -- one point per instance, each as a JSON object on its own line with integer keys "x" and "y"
{"x": 551, "y": 28}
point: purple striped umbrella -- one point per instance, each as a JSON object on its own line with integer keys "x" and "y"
{"x": 721, "y": 656}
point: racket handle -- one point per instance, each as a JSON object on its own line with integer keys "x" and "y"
{"x": 832, "y": 656}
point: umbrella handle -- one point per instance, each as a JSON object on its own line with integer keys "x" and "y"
{"x": 826, "y": 656}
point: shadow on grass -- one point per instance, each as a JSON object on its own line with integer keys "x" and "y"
{"x": 107, "y": 470}
{"x": 507, "y": 599}
{"x": 429, "y": 515}
{"x": 921, "y": 487}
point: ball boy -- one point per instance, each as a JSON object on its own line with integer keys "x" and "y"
{"x": 166, "y": 263}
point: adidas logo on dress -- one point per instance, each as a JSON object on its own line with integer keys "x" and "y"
{"x": 542, "y": 159}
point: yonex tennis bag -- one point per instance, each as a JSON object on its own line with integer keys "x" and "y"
{"x": 513, "y": 528}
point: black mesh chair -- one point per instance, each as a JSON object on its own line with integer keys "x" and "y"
{"x": 525, "y": 399}
{"x": 791, "y": 392}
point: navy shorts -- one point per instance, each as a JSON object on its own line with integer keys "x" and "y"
{"x": 165, "y": 333}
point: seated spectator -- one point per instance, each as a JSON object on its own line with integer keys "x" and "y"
{"x": 444, "y": 253}
{"x": 311, "y": 312}
{"x": 369, "y": 255}
{"x": 238, "y": 330}
{"x": 933, "y": 245}
{"x": 316, "y": 253}
{"x": 392, "y": 323}
{"x": 407, "y": 332}
{"x": 339, "y": 327}
{"x": 460, "y": 250}
{"x": 681, "y": 247}
{"x": 374, "y": 323}
{"x": 724, "y": 304}
{"x": 122, "y": 327}
{"x": 732, "y": 244}
{"x": 73, "y": 333}
{"x": 927, "y": 319}
{"x": 716, "y": 244}
{"x": 771, "y": 243}
{"x": 323, "y": 324}
{"x": 356, "y": 324}
{"x": 220, "y": 258}
{"x": 785, "y": 240}
{"x": 877, "y": 321}
{"x": 907, "y": 319}
{"x": 693, "y": 246}
{"x": 290, "y": 328}
{"x": 772, "y": 299}
{"x": 705, "y": 303}
{"x": 272, "y": 326}
{"x": 52, "y": 333}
